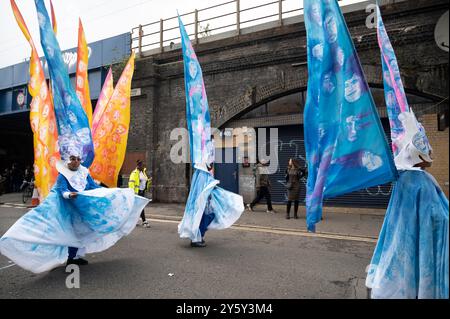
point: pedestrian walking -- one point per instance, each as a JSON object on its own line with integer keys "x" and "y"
{"x": 262, "y": 186}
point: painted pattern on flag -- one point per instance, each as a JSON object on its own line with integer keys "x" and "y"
{"x": 345, "y": 144}
{"x": 395, "y": 96}
{"x": 72, "y": 122}
{"x": 42, "y": 118}
{"x": 197, "y": 110}
{"x": 82, "y": 82}
{"x": 111, "y": 133}
{"x": 103, "y": 100}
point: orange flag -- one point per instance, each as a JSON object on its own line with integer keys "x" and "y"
{"x": 111, "y": 135}
{"x": 42, "y": 118}
{"x": 102, "y": 102}
{"x": 55, "y": 26}
{"x": 82, "y": 89}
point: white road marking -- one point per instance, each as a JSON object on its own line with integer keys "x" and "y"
{"x": 281, "y": 231}
{"x": 7, "y": 266}
{"x": 12, "y": 205}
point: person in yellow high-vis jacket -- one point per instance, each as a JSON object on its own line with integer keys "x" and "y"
{"x": 140, "y": 182}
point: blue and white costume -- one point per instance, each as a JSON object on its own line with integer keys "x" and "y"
{"x": 411, "y": 257}
{"x": 208, "y": 207}
{"x": 92, "y": 222}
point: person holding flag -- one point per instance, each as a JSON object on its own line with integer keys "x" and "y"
{"x": 411, "y": 257}
{"x": 208, "y": 206}
{"x": 77, "y": 217}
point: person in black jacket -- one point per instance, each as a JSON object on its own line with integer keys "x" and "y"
{"x": 294, "y": 173}
{"x": 262, "y": 186}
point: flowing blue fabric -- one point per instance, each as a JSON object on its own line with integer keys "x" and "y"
{"x": 411, "y": 257}
{"x": 346, "y": 147}
{"x": 226, "y": 206}
{"x": 197, "y": 110}
{"x": 92, "y": 222}
{"x": 394, "y": 92}
{"x": 72, "y": 121}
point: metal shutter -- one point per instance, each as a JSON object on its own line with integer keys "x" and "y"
{"x": 291, "y": 145}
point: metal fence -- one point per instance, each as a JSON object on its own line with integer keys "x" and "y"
{"x": 229, "y": 16}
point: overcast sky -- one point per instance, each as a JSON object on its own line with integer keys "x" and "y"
{"x": 106, "y": 18}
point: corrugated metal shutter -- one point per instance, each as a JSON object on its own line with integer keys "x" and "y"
{"x": 291, "y": 145}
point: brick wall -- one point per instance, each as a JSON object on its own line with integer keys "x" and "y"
{"x": 244, "y": 71}
{"x": 439, "y": 140}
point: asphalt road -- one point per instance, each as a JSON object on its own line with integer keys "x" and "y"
{"x": 237, "y": 263}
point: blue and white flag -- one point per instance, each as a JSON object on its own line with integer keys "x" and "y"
{"x": 226, "y": 206}
{"x": 72, "y": 121}
{"x": 345, "y": 144}
{"x": 197, "y": 110}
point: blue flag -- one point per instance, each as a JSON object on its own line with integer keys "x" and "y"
{"x": 205, "y": 197}
{"x": 197, "y": 110}
{"x": 345, "y": 144}
{"x": 72, "y": 121}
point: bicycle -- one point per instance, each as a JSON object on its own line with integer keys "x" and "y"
{"x": 27, "y": 191}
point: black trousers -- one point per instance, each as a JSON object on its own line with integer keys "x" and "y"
{"x": 142, "y": 193}
{"x": 263, "y": 192}
{"x": 288, "y": 207}
{"x": 72, "y": 252}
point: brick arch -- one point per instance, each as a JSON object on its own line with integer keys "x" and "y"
{"x": 285, "y": 84}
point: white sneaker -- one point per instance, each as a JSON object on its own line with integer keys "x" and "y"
{"x": 271, "y": 211}
{"x": 146, "y": 224}
{"x": 249, "y": 208}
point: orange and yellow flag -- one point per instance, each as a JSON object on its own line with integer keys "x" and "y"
{"x": 111, "y": 135}
{"x": 82, "y": 82}
{"x": 103, "y": 100}
{"x": 55, "y": 26}
{"x": 42, "y": 118}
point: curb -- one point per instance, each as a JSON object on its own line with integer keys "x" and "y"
{"x": 279, "y": 230}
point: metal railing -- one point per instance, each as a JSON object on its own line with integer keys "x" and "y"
{"x": 230, "y": 16}
{"x": 227, "y": 16}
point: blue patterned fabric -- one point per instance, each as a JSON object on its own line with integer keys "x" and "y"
{"x": 411, "y": 257}
{"x": 346, "y": 147}
{"x": 92, "y": 222}
{"x": 226, "y": 206}
{"x": 396, "y": 102}
{"x": 197, "y": 110}
{"x": 72, "y": 121}
{"x": 204, "y": 197}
